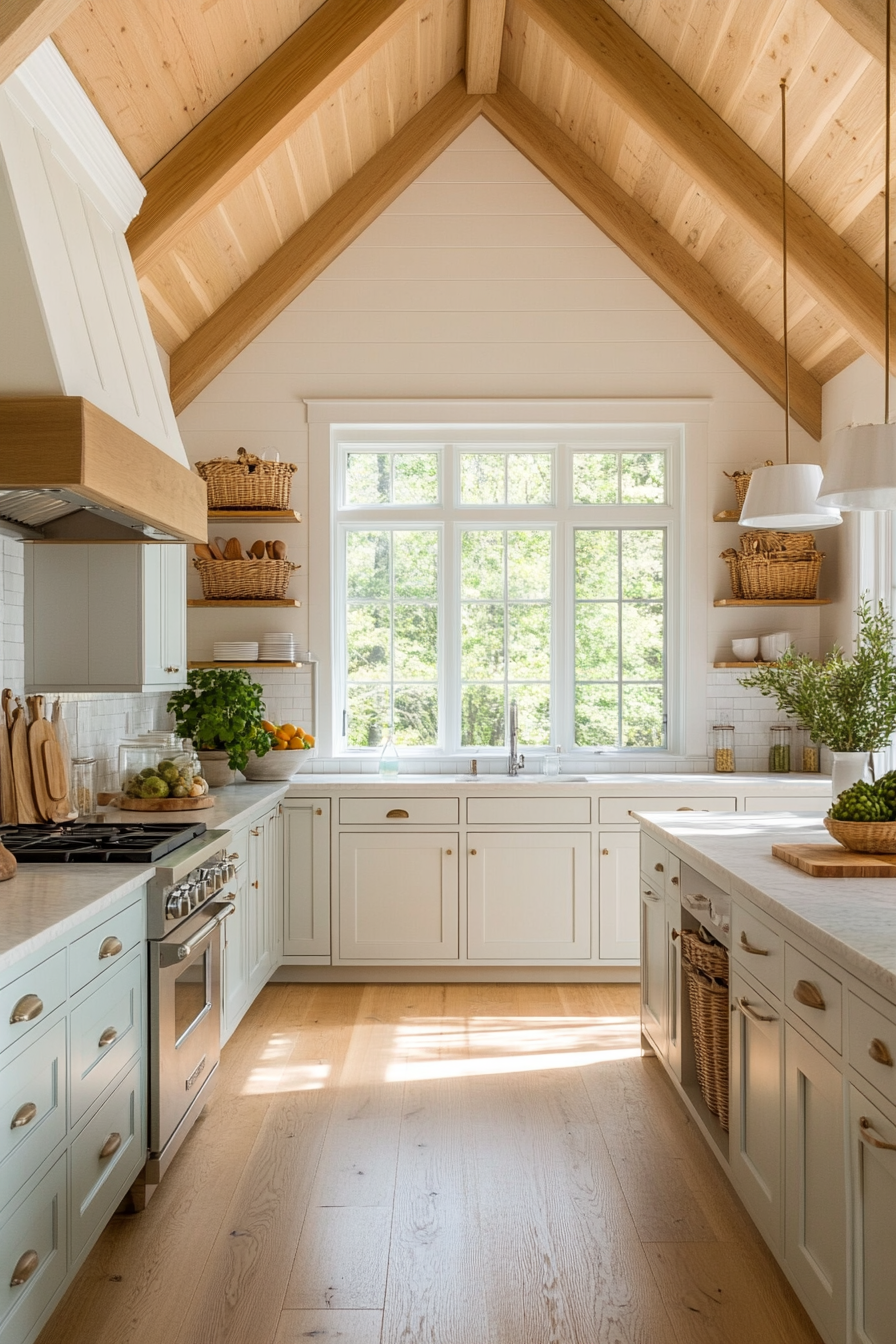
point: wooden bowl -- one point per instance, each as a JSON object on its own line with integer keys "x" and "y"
{"x": 865, "y": 837}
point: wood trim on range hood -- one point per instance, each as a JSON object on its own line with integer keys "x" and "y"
{"x": 70, "y": 445}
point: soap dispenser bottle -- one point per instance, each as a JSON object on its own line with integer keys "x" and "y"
{"x": 389, "y": 760}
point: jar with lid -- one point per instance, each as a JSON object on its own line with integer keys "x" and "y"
{"x": 808, "y": 753}
{"x": 723, "y": 747}
{"x": 155, "y": 765}
{"x": 83, "y": 787}
{"x": 779, "y": 750}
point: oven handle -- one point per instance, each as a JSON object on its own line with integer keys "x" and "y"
{"x": 171, "y": 953}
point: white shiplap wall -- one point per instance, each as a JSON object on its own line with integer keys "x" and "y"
{"x": 482, "y": 280}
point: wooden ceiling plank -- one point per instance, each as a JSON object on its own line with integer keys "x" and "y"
{"x": 318, "y": 242}
{"x": 485, "y": 34}
{"x": 23, "y": 26}
{"x": 240, "y": 133}
{"x": 693, "y": 135}
{"x": 651, "y": 247}
{"x": 845, "y": 354}
{"x": 864, "y": 21}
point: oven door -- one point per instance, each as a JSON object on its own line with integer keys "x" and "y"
{"x": 185, "y": 1018}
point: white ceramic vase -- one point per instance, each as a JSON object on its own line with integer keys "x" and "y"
{"x": 847, "y": 769}
{"x": 215, "y": 769}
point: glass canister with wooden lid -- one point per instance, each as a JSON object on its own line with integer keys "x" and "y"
{"x": 723, "y": 747}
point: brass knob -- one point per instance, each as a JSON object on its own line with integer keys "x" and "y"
{"x": 112, "y": 1145}
{"x": 605, "y": 852}
{"x": 25, "y": 1267}
{"x": 447, "y": 851}
{"x": 110, "y": 947}
{"x": 472, "y": 851}
{"x": 24, "y": 1115}
{"x": 657, "y": 867}
{"x": 27, "y": 1009}
{"x": 675, "y": 881}
{"x": 319, "y": 811}
{"x": 255, "y": 885}
{"x": 108, "y": 1036}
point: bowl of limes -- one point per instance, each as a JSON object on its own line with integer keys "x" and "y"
{"x": 863, "y": 817}
{"x": 292, "y": 749}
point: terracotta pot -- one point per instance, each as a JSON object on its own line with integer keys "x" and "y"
{"x": 215, "y": 769}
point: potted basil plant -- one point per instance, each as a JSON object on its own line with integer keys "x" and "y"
{"x": 845, "y": 704}
{"x": 221, "y": 709}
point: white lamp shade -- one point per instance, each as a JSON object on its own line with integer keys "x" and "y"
{"x": 861, "y": 471}
{"x": 786, "y": 498}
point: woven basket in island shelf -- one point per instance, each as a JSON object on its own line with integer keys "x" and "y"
{"x": 250, "y": 482}
{"x": 706, "y": 968}
{"x": 244, "y": 579}
{"x": 865, "y": 837}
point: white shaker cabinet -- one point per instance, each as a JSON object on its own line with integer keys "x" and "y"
{"x": 398, "y": 896}
{"x": 872, "y": 1145}
{"x": 235, "y": 958}
{"x": 619, "y": 906}
{"x": 306, "y": 860}
{"x": 529, "y": 896}
{"x": 105, "y": 617}
{"x": 756, "y": 1112}
{"x": 260, "y": 933}
{"x": 654, "y": 961}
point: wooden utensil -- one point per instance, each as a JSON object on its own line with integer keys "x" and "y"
{"x": 60, "y": 729}
{"x": 280, "y": 550}
{"x": 256, "y": 550}
{"x": 233, "y": 550}
{"x": 832, "y": 861}
{"x": 40, "y": 732}
{"x": 269, "y": 547}
{"x": 204, "y": 552}
{"x": 8, "y": 809}
{"x": 217, "y": 548}
{"x": 21, "y": 768}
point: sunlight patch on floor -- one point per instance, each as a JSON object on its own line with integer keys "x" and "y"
{"x": 307, "y": 1076}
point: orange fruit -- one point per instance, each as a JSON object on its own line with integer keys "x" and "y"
{"x": 300, "y": 732}
{"x": 284, "y": 734}
{"x": 296, "y": 743}
{"x": 279, "y": 745}
{"x": 268, "y": 726}
{"x": 289, "y": 729}
{"x": 309, "y": 740}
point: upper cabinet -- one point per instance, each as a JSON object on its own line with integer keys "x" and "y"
{"x": 105, "y": 617}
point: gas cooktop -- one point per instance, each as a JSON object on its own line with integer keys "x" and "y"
{"x": 97, "y": 842}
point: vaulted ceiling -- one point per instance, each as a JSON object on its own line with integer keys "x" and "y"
{"x": 270, "y": 133}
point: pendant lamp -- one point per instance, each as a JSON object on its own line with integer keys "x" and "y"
{"x": 786, "y": 497}
{"x": 861, "y": 472}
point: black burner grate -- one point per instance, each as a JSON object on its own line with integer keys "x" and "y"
{"x": 97, "y": 842}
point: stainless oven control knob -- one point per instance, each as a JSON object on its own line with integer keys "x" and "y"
{"x": 198, "y": 893}
{"x": 178, "y": 903}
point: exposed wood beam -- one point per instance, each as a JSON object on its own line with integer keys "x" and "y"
{"x": 485, "y": 34}
{"x": 320, "y": 240}
{"x": 239, "y": 134}
{"x": 23, "y": 26}
{"x": 658, "y": 254}
{"x": 705, "y": 147}
{"x": 865, "y": 20}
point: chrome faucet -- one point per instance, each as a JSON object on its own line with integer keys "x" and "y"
{"x": 517, "y": 762}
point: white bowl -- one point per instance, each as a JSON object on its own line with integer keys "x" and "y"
{"x": 772, "y": 646}
{"x": 745, "y": 650}
{"x": 278, "y": 764}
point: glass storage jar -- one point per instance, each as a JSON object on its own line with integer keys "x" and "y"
{"x": 779, "y": 750}
{"x": 148, "y": 762}
{"x": 83, "y": 788}
{"x": 808, "y": 753}
{"x": 723, "y": 747}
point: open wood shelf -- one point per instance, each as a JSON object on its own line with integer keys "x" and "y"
{"x": 772, "y": 602}
{"x": 726, "y": 516}
{"x": 256, "y": 515}
{"x": 239, "y": 663}
{"x": 243, "y": 602}
{"x": 757, "y": 664}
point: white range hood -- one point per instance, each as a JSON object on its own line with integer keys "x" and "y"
{"x": 74, "y": 336}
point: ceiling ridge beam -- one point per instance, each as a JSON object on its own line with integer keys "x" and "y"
{"x": 257, "y": 116}
{"x": 23, "y": 26}
{"x": 319, "y": 241}
{"x": 655, "y": 251}
{"x": 485, "y": 37}
{"x": 864, "y": 20}
{"x": 696, "y": 138}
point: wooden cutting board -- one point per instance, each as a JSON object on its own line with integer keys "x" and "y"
{"x": 164, "y": 804}
{"x": 8, "y": 809}
{"x": 21, "y": 768}
{"x": 833, "y": 861}
{"x": 40, "y": 734}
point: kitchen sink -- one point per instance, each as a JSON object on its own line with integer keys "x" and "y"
{"x": 521, "y": 779}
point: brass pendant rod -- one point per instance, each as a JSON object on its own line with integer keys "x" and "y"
{"x": 784, "y": 246}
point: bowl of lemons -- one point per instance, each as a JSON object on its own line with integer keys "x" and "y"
{"x": 292, "y": 749}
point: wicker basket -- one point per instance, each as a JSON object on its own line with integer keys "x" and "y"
{"x": 709, "y": 1023}
{"x": 247, "y": 483}
{"x": 741, "y": 482}
{"x": 711, "y": 958}
{"x": 865, "y": 837}
{"x": 753, "y": 543}
{"x": 244, "y": 579}
{"x": 732, "y": 560}
{"x": 780, "y": 575}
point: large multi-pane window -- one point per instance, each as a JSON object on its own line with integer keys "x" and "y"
{"x": 472, "y": 575}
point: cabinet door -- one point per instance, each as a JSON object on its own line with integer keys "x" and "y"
{"x": 164, "y": 615}
{"x": 756, "y": 1113}
{"x": 529, "y": 896}
{"x": 653, "y": 968}
{"x": 259, "y": 930}
{"x": 398, "y": 896}
{"x": 872, "y": 1142}
{"x": 815, "y": 1198}
{"x": 306, "y": 857}
{"x": 115, "y": 605}
{"x": 235, "y": 958}
{"x": 618, "y": 896}
{"x": 674, "y": 988}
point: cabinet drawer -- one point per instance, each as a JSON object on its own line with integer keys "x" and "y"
{"x": 871, "y": 1045}
{"x": 238, "y": 849}
{"x": 112, "y": 1014}
{"x": 31, "y": 998}
{"x": 32, "y": 1109}
{"x": 758, "y": 949}
{"x": 35, "y": 1228}
{"x": 529, "y": 811}
{"x": 98, "y": 1181}
{"x": 399, "y": 811}
{"x": 784, "y": 804}
{"x": 105, "y": 946}
{"x": 654, "y": 861}
{"x": 802, "y": 977}
{"x": 621, "y": 809}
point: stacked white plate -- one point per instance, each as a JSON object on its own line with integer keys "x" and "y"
{"x": 277, "y": 648}
{"x": 235, "y": 651}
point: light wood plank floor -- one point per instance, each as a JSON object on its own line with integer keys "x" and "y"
{"x": 437, "y": 1164}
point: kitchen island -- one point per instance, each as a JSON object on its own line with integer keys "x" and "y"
{"x": 811, "y": 1139}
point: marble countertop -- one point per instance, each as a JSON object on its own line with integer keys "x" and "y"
{"x": 233, "y": 805}
{"x": 617, "y": 782}
{"x": 853, "y": 920}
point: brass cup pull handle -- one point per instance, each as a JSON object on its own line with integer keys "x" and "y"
{"x": 809, "y": 995}
{"x": 112, "y": 1145}
{"x": 754, "y": 951}
{"x": 674, "y": 935}
{"x": 684, "y": 809}
{"x": 110, "y": 947}
{"x": 27, "y": 1009}
{"x": 879, "y": 1052}
{"x": 23, "y": 1116}
{"x": 25, "y": 1267}
{"x": 108, "y": 1036}
{"x": 749, "y": 1011}
{"x": 658, "y": 868}
{"x": 870, "y": 1135}
{"x": 397, "y": 812}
